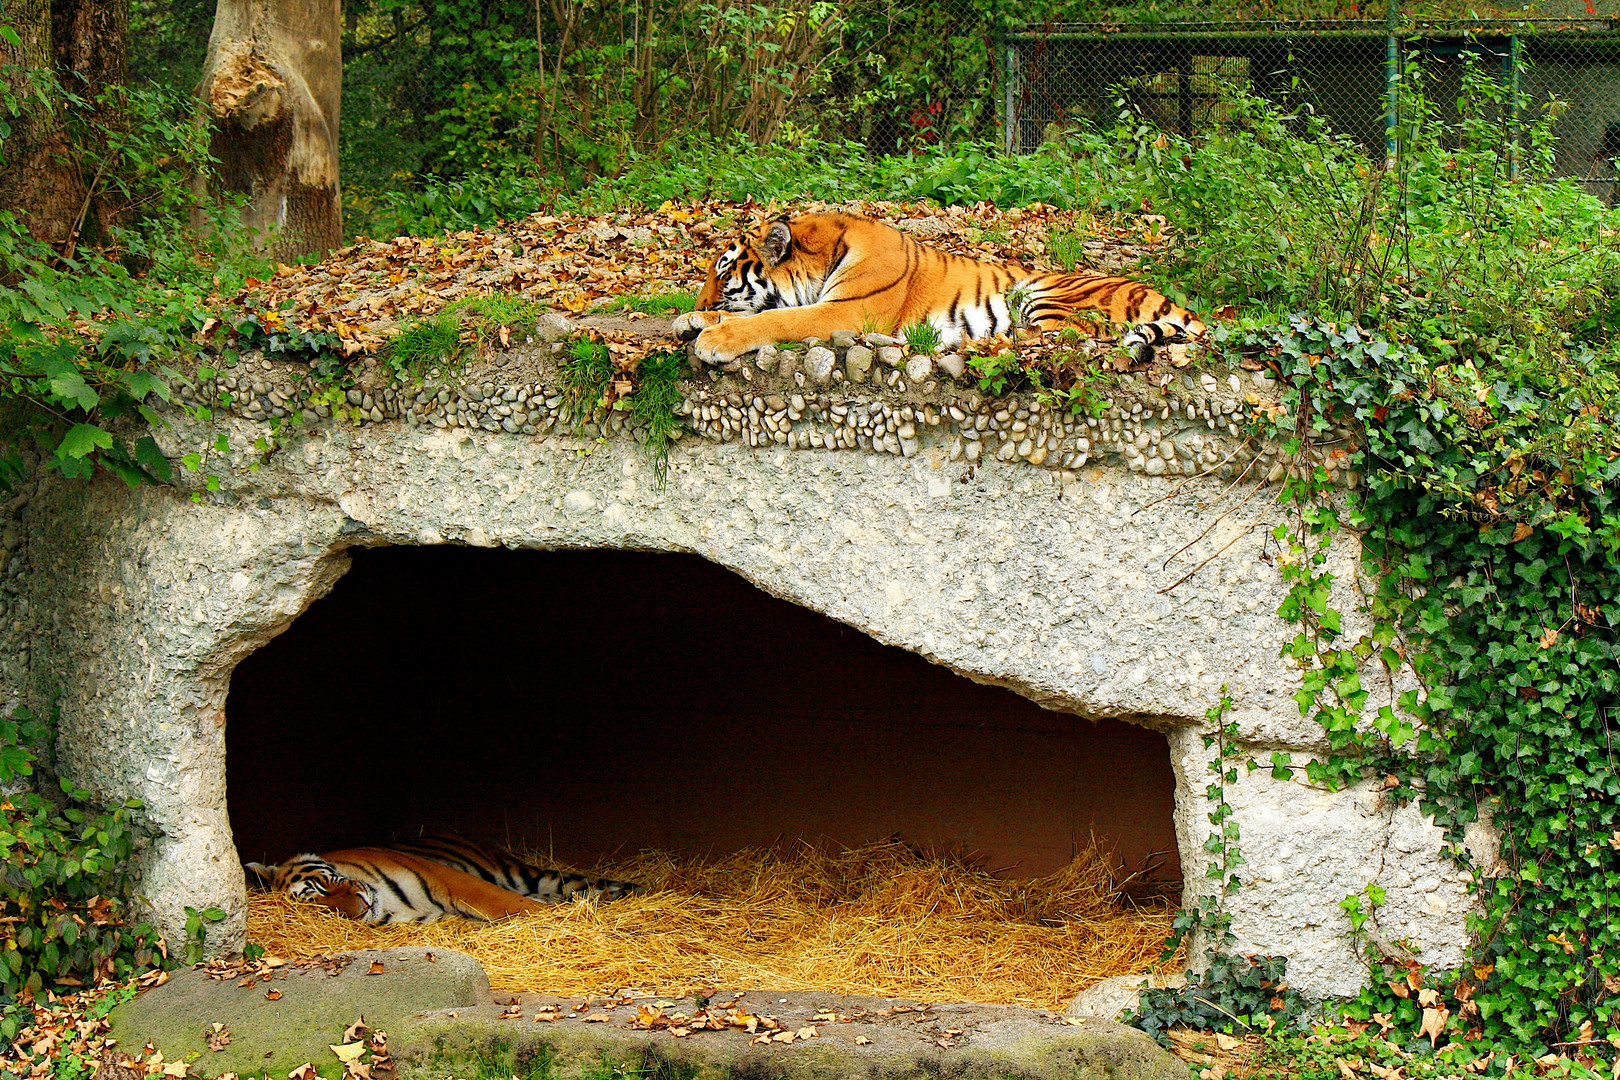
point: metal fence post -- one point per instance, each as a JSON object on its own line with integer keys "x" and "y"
{"x": 1010, "y": 114}
{"x": 1392, "y": 80}
{"x": 1513, "y": 105}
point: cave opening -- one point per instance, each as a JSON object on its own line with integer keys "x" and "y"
{"x": 591, "y": 703}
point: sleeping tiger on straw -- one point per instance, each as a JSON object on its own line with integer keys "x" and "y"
{"x": 428, "y": 879}
{"x": 810, "y": 275}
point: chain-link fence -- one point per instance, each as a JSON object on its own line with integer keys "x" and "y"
{"x": 1350, "y": 73}
{"x": 576, "y": 88}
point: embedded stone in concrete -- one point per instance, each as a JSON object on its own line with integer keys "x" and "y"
{"x": 857, "y": 363}
{"x": 1109, "y": 998}
{"x": 311, "y": 1007}
{"x": 818, "y": 364}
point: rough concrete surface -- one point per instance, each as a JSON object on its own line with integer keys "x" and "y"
{"x": 993, "y": 1042}
{"x": 312, "y": 1007}
{"x": 1065, "y": 585}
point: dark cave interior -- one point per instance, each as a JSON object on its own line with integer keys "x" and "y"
{"x": 585, "y": 703}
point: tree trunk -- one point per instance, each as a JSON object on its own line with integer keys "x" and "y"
{"x": 39, "y": 179}
{"x": 90, "y": 41}
{"x": 272, "y": 81}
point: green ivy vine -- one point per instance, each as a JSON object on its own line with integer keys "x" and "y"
{"x": 1490, "y": 538}
{"x": 1231, "y": 992}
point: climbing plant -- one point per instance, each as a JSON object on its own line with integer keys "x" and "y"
{"x": 1230, "y": 992}
{"x": 1490, "y": 537}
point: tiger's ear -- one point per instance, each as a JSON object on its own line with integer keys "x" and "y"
{"x": 265, "y": 874}
{"x": 778, "y": 242}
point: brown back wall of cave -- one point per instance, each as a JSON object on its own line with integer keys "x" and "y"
{"x": 587, "y": 702}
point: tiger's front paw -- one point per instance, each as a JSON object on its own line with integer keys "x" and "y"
{"x": 720, "y": 345}
{"x": 693, "y": 323}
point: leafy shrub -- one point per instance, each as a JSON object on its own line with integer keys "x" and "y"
{"x": 88, "y": 335}
{"x": 436, "y": 205}
{"x": 1235, "y": 993}
{"x": 1441, "y": 242}
{"x": 64, "y": 883}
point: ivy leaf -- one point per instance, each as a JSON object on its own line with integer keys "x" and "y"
{"x": 1532, "y": 571}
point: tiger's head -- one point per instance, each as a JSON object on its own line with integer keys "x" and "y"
{"x": 747, "y": 276}
{"x": 310, "y": 877}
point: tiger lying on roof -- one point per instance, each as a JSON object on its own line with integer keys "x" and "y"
{"x": 427, "y": 879}
{"x": 809, "y": 275}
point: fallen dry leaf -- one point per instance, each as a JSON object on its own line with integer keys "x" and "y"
{"x": 348, "y": 1051}
{"x": 1434, "y": 1024}
{"x": 272, "y": 995}
{"x": 376, "y": 968}
{"x": 862, "y": 1040}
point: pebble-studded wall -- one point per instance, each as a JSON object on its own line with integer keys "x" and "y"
{"x": 1112, "y": 565}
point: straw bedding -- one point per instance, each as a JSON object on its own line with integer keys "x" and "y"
{"x": 880, "y": 920}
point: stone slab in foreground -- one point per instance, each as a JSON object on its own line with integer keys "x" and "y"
{"x": 312, "y": 1007}
{"x": 442, "y": 1019}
